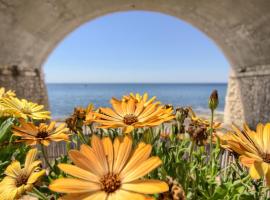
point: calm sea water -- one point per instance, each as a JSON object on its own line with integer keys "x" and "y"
{"x": 64, "y": 97}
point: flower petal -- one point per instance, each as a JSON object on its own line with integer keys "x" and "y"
{"x": 70, "y": 185}
{"x": 140, "y": 155}
{"x": 79, "y": 172}
{"x": 97, "y": 146}
{"x": 125, "y": 195}
{"x": 146, "y": 186}
{"x": 108, "y": 148}
{"x": 14, "y": 169}
{"x": 258, "y": 170}
{"x": 142, "y": 169}
{"x": 123, "y": 154}
{"x": 35, "y": 176}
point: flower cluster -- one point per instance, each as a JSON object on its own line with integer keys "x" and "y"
{"x": 10, "y": 105}
{"x": 137, "y": 149}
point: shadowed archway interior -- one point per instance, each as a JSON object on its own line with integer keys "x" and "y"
{"x": 30, "y": 31}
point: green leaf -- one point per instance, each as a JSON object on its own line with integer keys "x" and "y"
{"x": 5, "y": 128}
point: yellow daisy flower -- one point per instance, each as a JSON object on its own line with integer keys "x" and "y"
{"x": 253, "y": 148}
{"x": 6, "y": 94}
{"x": 42, "y": 134}
{"x": 131, "y": 114}
{"x": 18, "y": 180}
{"x": 109, "y": 170}
{"x": 140, "y": 98}
{"x": 4, "y": 112}
{"x": 24, "y": 109}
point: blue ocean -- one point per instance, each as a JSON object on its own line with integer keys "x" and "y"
{"x": 64, "y": 97}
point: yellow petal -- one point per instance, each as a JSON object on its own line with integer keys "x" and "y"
{"x": 246, "y": 161}
{"x": 131, "y": 106}
{"x": 111, "y": 113}
{"x": 123, "y": 154}
{"x": 140, "y": 155}
{"x": 79, "y": 160}
{"x": 266, "y": 138}
{"x": 30, "y": 157}
{"x": 34, "y": 177}
{"x": 108, "y": 148}
{"x": 267, "y": 178}
{"x": 258, "y": 170}
{"x": 142, "y": 169}
{"x": 79, "y": 172}
{"x": 128, "y": 129}
{"x": 69, "y": 185}
{"x": 92, "y": 161}
{"x": 97, "y": 146}
{"x": 14, "y": 169}
{"x": 100, "y": 195}
{"x": 118, "y": 108}
{"x": 146, "y": 186}
{"x": 125, "y": 195}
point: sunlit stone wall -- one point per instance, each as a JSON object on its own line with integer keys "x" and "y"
{"x": 30, "y": 30}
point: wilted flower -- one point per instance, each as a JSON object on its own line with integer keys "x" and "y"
{"x": 175, "y": 192}
{"x": 164, "y": 135}
{"x": 80, "y": 117}
{"x": 181, "y": 114}
{"x": 198, "y": 128}
{"x": 79, "y": 113}
{"x": 109, "y": 170}
{"x": 19, "y": 180}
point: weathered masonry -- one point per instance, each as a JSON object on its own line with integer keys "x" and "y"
{"x": 30, "y": 30}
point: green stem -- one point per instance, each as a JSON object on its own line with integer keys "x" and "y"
{"x": 45, "y": 157}
{"x": 81, "y": 137}
{"x": 39, "y": 194}
{"x": 211, "y": 135}
{"x": 191, "y": 148}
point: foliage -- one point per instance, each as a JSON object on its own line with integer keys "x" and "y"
{"x": 188, "y": 147}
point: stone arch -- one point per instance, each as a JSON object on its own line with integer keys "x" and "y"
{"x": 30, "y": 30}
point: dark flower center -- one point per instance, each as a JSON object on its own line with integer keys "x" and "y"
{"x": 130, "y": 119}
{"x": 266, "y": 157}
{"x": 21, "y": 180}
{"x": 110, "y": 183}
{"x": 42, "y": 134}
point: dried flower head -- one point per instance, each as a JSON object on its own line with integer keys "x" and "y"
{"x": 175, "y": 192}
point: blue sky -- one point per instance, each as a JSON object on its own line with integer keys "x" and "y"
{"x": 136, "y": 46}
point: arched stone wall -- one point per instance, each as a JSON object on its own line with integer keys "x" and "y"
{"x": 30, "y": 30}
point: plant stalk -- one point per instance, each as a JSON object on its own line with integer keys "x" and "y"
{"x": 45, "y": 157}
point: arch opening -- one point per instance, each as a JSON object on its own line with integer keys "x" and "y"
{"x": 152, "y": 52}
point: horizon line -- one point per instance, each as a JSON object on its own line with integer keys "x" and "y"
{"x": 136, "y": 82}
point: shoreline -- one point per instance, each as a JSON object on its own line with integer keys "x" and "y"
{"x": 219, "y": 117}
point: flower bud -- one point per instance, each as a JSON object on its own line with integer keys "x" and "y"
{"x": 213, "y": 100}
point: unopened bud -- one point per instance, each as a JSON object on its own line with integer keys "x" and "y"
{"x": 213, "y": 100}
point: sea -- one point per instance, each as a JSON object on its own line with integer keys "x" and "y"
{"x": 65, "y": 96}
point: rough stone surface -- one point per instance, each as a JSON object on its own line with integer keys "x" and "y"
{"x": 30, "y": 30}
